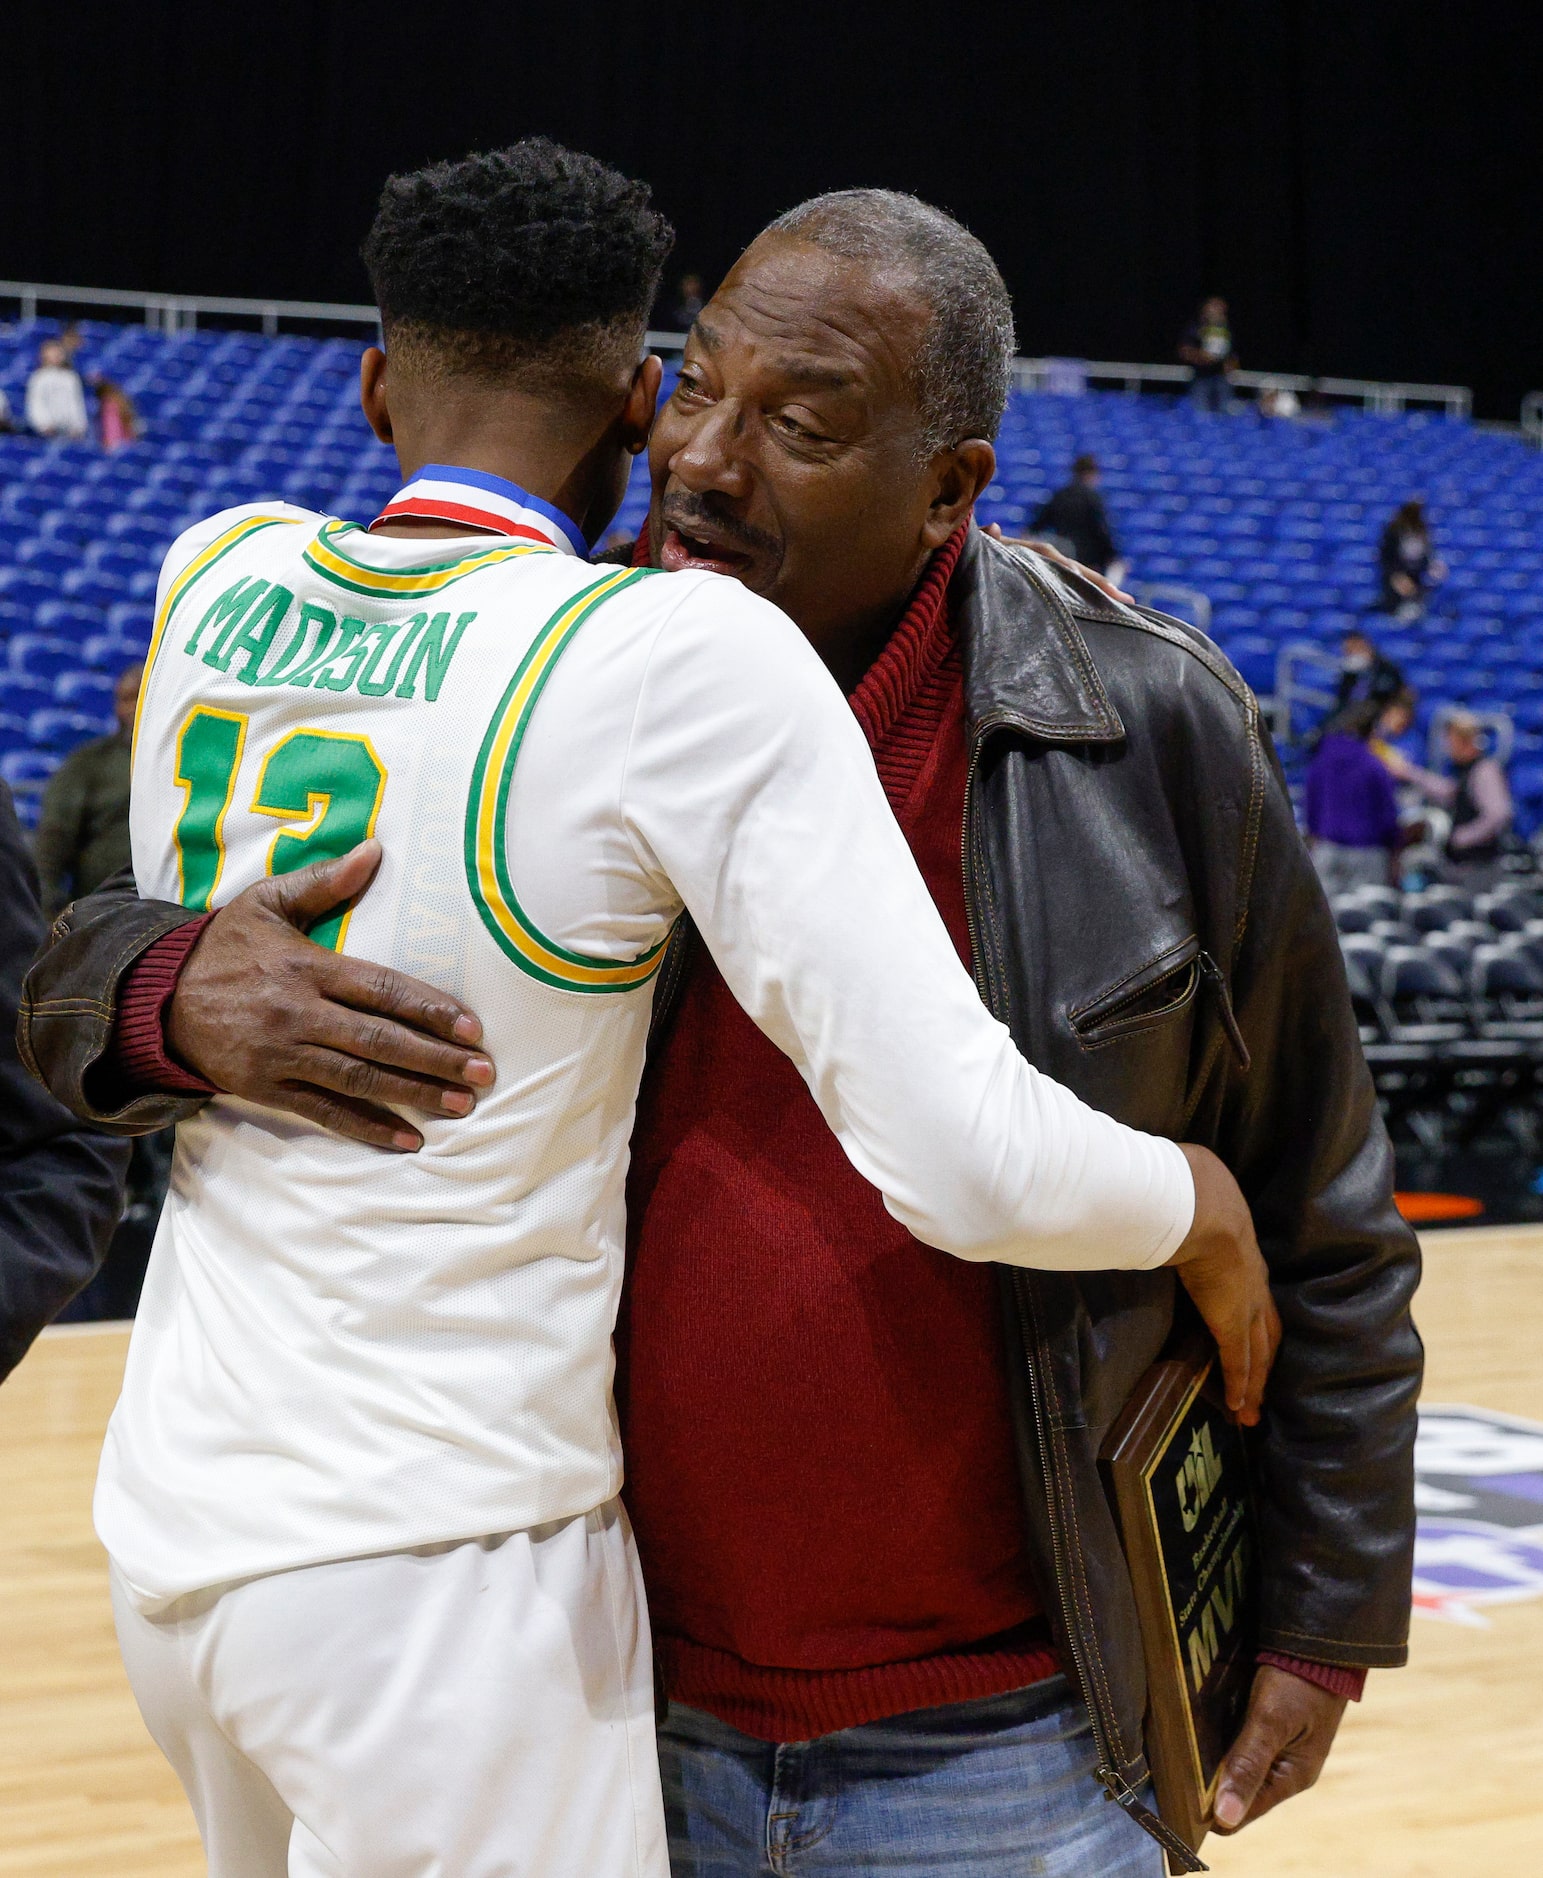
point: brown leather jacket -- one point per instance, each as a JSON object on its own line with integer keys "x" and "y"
{"x": 1147, "y": 923}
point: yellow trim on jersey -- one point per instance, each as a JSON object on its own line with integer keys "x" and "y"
{"x": 328, "y": 560}
{"x": 487, "y": 865}
{"x": 200, "y": 564}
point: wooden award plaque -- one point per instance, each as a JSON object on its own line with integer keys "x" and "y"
{"x": 1179, "y": 1471}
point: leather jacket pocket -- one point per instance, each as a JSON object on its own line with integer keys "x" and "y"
{"x": 1153, "y": 995}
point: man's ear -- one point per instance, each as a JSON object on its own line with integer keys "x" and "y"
{"x": 960, "y": 476}
{"x": 637, "y": 418}
{"x": 372, "y": 393}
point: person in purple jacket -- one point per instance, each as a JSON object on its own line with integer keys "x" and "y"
{"x": 1352, "y": 812}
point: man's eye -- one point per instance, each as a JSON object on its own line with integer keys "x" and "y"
{"x": 688, "y": 385}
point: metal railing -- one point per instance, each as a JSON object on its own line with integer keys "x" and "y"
{"x": 1532, "y": 416}
{"x": 1154, "y": 593}
{"x": 180, "y": 312}
{"x": 1373, "y": 394}
{"x": 1292, "y": 689}
{"x": 177, "y": 313}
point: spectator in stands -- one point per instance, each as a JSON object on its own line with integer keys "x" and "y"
{"x": 1394, "y": 725}
{"x": 60, "y": 1197}
{"x": 6, "y": 421}
{"x": 1365, "y": 673}
{"x": 71, "y": 339}
{"x": 1278, "y": 401}
{"x": 56, "y": 399}
{"x": 1476, "y": 794}
{"x": 688, "y": 303}
{"x": 1409, "y": 565}
{"x": 83, "y": 833}
{"x": 1076, "y": 515}
{"x": 1352, "y": 811}
{"x": 1207, "y": 346}
{"x": 117, "y": 419}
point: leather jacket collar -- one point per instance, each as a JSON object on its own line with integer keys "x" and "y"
{"x": 1027, "y": 664}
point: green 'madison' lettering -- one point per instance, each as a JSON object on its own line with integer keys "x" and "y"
{"x": 369, "y": 687}
{"x": 432, "y": 655}
{"x": 323, "y": 619}
{"x": 226, "y": 613}
{"x": 257, "y": 634}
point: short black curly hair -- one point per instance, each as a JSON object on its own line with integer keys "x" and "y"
{"x": 528, "y": 262}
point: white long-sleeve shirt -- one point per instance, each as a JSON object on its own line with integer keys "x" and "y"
{"x": 339, "y": 1353}
{"x": 56, "y": 402}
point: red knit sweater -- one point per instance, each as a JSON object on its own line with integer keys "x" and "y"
{"x": 815, "y": 1407}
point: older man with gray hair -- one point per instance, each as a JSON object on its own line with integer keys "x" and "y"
{"x": 895, "y": 1623}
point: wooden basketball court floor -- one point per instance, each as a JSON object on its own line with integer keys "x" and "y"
{"x": 1439, "y": 1771}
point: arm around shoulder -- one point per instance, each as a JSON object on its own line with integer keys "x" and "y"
{"x": 70, "y": 1000}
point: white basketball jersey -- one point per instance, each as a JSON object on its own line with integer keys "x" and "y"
{"x": 311, "y": 686}
{"x": 340, "y": 1351}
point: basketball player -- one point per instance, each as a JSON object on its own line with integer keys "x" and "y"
{"x": 374, "y": 1589}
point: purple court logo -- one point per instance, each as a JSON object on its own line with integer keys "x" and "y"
{"x": 1478, "y": 1497}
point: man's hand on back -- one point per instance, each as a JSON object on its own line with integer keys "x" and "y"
{"x": 1044, "y": 548}
{"x": 1221, "y": 1267}
{"x": 263, "y": 1013}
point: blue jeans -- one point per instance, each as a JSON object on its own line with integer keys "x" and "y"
{"x": 1001, "y": 1788}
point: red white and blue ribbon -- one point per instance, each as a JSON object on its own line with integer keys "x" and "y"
{"x": 474, "y": 499}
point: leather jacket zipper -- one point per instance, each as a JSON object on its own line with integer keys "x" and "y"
{"x": 1116, "y": 1787}
{"x": 1218, "y": 983}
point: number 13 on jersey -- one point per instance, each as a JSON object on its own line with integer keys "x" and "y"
{"x": 331, "y": 784}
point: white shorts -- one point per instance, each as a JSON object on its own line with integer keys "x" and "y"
{"x": 474, "y": 1710}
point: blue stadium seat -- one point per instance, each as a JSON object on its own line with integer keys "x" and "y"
{"x": 71, "y": 530}
{"x": 24, "y": 693}
{"x": 90, "y": 693}
{"x": 86, "y": 587}
{"x": 46, "y": 559}
{"x": 40, "y": 655}
{"x": 21, "y": 500}
{"x": 141, "y": 530}
{"x": 14, "y": 619}
{"x": 114, "y": 560}
{"x": 65, "y": 619}
{"x": 106, "y": 652}
{"x": 1254, "y": 656}
{"x": 23, "y": 766}
{"x": 131, "y": 619}
{"x": 61, "y": 731}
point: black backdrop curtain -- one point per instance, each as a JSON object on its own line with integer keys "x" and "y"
{"x": 1361, "y": 178}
